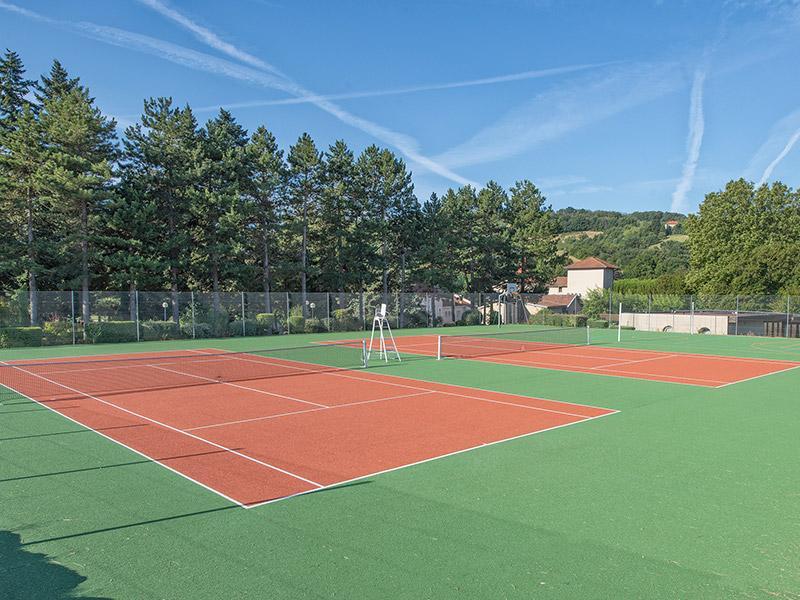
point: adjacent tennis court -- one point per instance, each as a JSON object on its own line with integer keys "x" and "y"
{"x": 569, "y": 349}
{"x": 259, "y": 426}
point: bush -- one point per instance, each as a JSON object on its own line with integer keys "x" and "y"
{"x": 314, "y": 326}
{"x": 266, "y": 321}
{"x": 545, "y": 317}
{"x": 160, "y": 330}
{"x": 105, "y": 332}
{"x": 470, "y": 317}
{"x": 218, "y": 321}
{"x": 17, "y": 337}
{"x": 57, "y": 332}
{"x": 344, "y": 320}
{"x": 201, "y": 330}
{"x": 296, "y": 324}
{"x": 597, "y": 323}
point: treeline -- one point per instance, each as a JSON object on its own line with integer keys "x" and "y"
{"x": 179, "y": 205}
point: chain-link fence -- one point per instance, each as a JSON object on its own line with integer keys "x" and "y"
{"x": 69, "y": 317}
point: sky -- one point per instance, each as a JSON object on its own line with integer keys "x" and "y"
{"x": 603, "y": 105}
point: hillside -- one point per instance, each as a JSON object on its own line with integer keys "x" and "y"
{"x": 638, "y": 242}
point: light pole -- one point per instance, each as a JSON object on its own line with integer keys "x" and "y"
{"x": 165, "y": 305}
{"x": 312, "y": 306}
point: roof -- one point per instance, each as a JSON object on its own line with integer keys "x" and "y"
{"x": 559, "y": 282}
{"x": 556, "y": 300}
{"x": 672, "y": 222}
{"x": 591, "y": 262}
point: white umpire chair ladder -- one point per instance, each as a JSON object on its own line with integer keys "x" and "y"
{"x": 381, "y": 322}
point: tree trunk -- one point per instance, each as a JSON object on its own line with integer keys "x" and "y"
{"x": 33, "y": 290}
{"x": 132, "y": 308}
{"x": 85, "y": 261}
{"x": 265, "y": 273}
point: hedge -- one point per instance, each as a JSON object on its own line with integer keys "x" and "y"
{"x": 314, "y": 326}
{"x": 545, "y": 317}
{"x": 597, "y": 323}
{"x": 57, "y": 332}
{"x": 16, "y": 337}
{"x": 104, "y": 332}
{"x": 160, "y": 330}
{"x": 296, "y": 324}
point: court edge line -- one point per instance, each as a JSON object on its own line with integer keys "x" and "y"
{"x": 241, "y": 387}
{"x": 177, "y": 430}
{"x": 134, "y": 450}
{"x": 307, "y": 410}
{"x": 426, "y": 460}
{"x": 422, "y": 389}
{"x": 756, "y": 377}
{"x": 643, "y": 350}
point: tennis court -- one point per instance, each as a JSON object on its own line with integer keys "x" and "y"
{"x": 569, "y": 349}
{"x": 255, "y": 427}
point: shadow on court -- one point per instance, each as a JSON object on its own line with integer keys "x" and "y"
{"x": 26, "y": 575}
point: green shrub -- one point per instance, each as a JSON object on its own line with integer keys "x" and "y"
{"x": 598, "y": 323}
{"x": 344, "y": 320}
{"x": 314, "y": 326}
{"x": 545, "y": 317}
{"x": 218, "y": 321}
{"x": 57, "y": 332}
{"x": 160, "y": 330}
{"x": 296, "y": 324}
{"x": 470, "y": 317}
{"x": 105, "y": 332}
{"x": 17, "y": 337}
{"x": 201, "y": 330}
{"x": 628, "y": 327}
{"x": 266, "y": 322}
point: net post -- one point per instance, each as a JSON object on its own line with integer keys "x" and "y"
{"x": 364, "y": 353}
{"x": 588, "y": 335}
{"x": 438, "y": 347}
{"x": 619, "y": 324}
{"x": 138, "y": 332}
{"x": 244, "y": 327}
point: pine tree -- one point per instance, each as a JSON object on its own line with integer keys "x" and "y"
{"x": 80, "y": 144}
{"x": 265, "y": 200}
{"x": 305, "y": 175}
{"x": 337, "y": 223}
{"x": 13, "y": 89}
{"x": 159, "y": 170}
{"x": 56, "y": 84}
{"x": 217, "y": 206}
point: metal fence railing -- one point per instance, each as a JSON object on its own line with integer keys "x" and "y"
{"x": 70, "y": 317}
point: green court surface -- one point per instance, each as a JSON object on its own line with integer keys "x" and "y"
{"x": 687, "y": 492}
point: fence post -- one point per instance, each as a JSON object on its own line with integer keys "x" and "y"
{"x": 136, "y": 299}
{"x": 788, "y": 299}
{"x": 649, "y": 312}
{"x": 72, "y": 312}
{"x": 194, "y": 333}
{"x": 363, "y": 312}
{"x": 244, "y": 327}
{"x": 691, "y": 316}
{"x": 736, "y": 323}
{"x": 288, "y": 326}
{"x": 328, "y": 312}
{"x": 619, "y": 323}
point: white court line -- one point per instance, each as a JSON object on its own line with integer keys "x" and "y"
{"x": 756, "y": 377}
{"x": 630, "y": 362}
{"x": 307, "y": 410}
{"x": 427, "y": 460}
{"x": 134, "y": 450}
{"x": 241, "y": 387}
{"x": 412, "y": 387}
{"x": 175, "y": 429}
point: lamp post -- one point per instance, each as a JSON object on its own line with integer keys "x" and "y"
{"x": 312, "y": 306}
{"x": 165, "y": 306}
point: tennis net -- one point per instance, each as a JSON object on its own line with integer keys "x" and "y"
{"x": 497, "y": 343}
{"x": 81, "y": 376}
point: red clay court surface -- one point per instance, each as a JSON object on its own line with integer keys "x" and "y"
{"x": 265, "y": 439}
{"x": 693, "y": 369}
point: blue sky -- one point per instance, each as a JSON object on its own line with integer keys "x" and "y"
{"x": 604, "y": 105}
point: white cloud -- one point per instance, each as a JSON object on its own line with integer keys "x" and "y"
{"x": 782, "y": 138}
{"x": 555, "y": 113}
{"x": 693, "y": 143}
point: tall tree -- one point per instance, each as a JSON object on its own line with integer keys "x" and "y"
{"x": 460, "y": 209}
{"x": 159, "y": 169}
{"x": 13, "y": 89}
{"x": 533, "y": 240}
{"x": 217, "y": 206}
{"x": 57, "y": 83}
{"x": 265, "y": 200}
{"x": 491, "y": 238}
{"x": 81, "y": 146}
{"x": 338, "y": 220}
{"x": 740, "y": 237}
{"x": 305, "y": 177}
